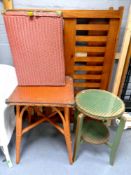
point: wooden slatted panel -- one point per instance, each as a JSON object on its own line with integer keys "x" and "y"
{"x": 102, "y": 27}
{"x": 97, "y": 41}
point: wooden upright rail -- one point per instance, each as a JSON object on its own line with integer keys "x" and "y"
{"x": 125, "y": 69}
{"x": 90, "y": 39}
{"x": 123, "y": 56}
{"x": 8, "y": 4}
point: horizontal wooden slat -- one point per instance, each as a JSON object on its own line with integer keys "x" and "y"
{"x": 87, "y": 85}
{"x": 99, "y": 27}
{"x": 92, "y": 38}
{"x": 86, "y": 77}
{"x": 89, "y": 59}
{"x": 89, "y": 49}
{"x": 89, "y": 68}
{"x": 81, "y": 13}
{"x": 92, "y": 14}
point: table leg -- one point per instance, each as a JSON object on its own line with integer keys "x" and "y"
{"x": 116, "y": 141}
{"x": 67, "y": 133}
{"x": 18, "y": 133}
{"x": 78, "y": 134}
{"x": 76, "y": 112}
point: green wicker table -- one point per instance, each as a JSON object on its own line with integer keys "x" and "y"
{"x": 100, "y": 106}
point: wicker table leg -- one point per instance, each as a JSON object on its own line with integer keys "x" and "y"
{"x": 116, "y": 141}
{"x": 19, "y": 115}
{"x": 78, "y": 134}
{"x": 67, "y": 133}
{"x": 76, "y": 112}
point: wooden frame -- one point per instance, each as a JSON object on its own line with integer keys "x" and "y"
{"x": 8, "y": 4}
{"x": 125, "y": 69}
{"x": 123, "y": 57}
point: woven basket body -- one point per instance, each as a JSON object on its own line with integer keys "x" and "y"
{"x": 37, "y": 48}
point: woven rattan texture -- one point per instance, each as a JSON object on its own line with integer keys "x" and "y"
{"x": 37, "y": 47}
{"x": 99, "y": 104}
{"x": 95, "y": 132}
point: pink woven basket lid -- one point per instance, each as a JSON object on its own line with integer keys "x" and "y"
{"x": 37, "y": 47}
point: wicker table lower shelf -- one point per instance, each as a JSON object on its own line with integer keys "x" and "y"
{"x": 95, "y": 132}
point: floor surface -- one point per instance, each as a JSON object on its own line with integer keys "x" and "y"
{"x": 43, "y": 152}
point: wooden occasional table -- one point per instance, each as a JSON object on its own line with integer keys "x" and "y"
{"x": 31, "y": 98}
{"x": 100, "y": 106}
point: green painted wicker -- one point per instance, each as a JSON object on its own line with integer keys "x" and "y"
{"x": 95, "y": 132}
{"x": 99, "y": 104}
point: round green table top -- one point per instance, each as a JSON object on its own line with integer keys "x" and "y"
{"x": 99, "y": 104}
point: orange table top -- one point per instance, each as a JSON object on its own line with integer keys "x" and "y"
{"x": 43, "y": 95}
